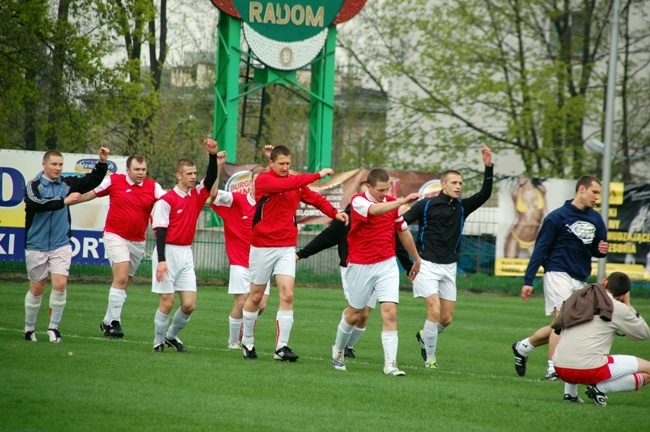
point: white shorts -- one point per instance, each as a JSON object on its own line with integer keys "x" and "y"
{"x": 240, "y": 281}
{"x": 181, "y": 276}
{"x": 558, "y": 287}
{"x": 437, "y": 279}
{"x": 266, "y": 262}
{"x": 373, "y": 298}
{"x": 42, "y": 263}
{"x": 120, "y": 250}
{"x": 380, "y": 279}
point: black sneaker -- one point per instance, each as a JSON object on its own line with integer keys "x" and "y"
{"x": 572, "y": 399}
{"x": 112, "y": 330}
{"x": 159, "y": 348}
{"x": 596, "y": 395}
{"x": 249, "y": 353}
{"x": 520, "y": 360}
{"x": 423, "y": 349}
{"x": 105, "y": 328}
{"x": 551, "y": 375}
{"x": 176, "y": 344}
{"x": 30, "y": 336}
{"x": 349, "y": 353}
{"x": 285, "y": 354}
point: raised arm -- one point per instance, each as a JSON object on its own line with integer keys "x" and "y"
{"x": 211, "y": 175}
{"x": 89, "y": 181}
{"x": 221, "y": 161}
{"x": 385, "y": 207}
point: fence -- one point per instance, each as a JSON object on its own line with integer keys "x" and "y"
{"x": 475, "y": 266}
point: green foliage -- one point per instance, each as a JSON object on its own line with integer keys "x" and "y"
{"x": 52, "y": 71}
{"x": 80, "y": 383}
{"x": 517, "y": 76}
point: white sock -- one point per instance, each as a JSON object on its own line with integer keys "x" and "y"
{"x": 32, "y": 306}
{"x": 571, "y": 389}
{"x": 441, "y": 328}
{"x": 57, "y": 305}
{"x": 625, "y": 383}
{"x": 524, "y": 347}
{"x": 430, "y": 336}
{"x": 249, "y": 319}
{"x": 178, "y": 323}
{"x": 355, "y": 336}
{"x": 284, "y": 321}
{"x": 116, "y": 299}
{"x": 235, "y": 329}
{"x": 160, "y": 322}
{"x": 343, "y": 334}
{"x": 550, "y": 366}
{"x": 389, "y": 341}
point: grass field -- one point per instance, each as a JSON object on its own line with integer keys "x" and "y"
{"x": 89, "y": 383}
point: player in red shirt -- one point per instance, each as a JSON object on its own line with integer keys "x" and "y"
{"x": 372, "y": 267}
{"x": 237, "y": 211}
{"x": 132, "y": 196}
{"x": 174, "y": 220}
{"x": 273, "y": 248}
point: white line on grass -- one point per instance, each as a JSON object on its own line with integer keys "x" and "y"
{"x": 352, "y": 362}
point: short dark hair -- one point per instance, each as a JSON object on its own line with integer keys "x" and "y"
{"x": 444, "y": 175}
{"x": 618, "y": 283}
{"x": 586, "y": 181}
{"x": 257, "y": 171}
{"x": 183, "y": 163}
{"x": 137, "y": 158}
{"x": 279, "y": 151}
{"x": 48, "y": 154}
{"x": 377, "y": 175}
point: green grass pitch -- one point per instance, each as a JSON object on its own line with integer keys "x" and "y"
{"x": 90, "y": 383}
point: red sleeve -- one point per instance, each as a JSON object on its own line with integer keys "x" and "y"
{"x": 317, "y": 200}
{"x": 267, "y": 183}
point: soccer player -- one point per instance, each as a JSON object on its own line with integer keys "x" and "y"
{"x": 132, "y": 196}
{"x": 372, "y": 268}
{"x": 237, "y": 211}
{"x": 569, "y": 237}
{"x": 582, "y": 353}
{"x": 273, "y": 247}
{"x": 336, "y": 234}
{"x": 47, "y": 240}
{"x": 441, "y": 219}
{"x": 174, "y": 221}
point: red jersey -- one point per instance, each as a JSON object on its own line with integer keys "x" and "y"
{"x": 278, "y": 199}
{"x": 371, "y": 238}
{"x": 129, "y": 205}
{"x": 178, "y": 212}
{"x": 237, "y": 211}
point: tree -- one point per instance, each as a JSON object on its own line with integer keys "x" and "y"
{"x": 51, "y": 73}
{"x": 519, "y": 76}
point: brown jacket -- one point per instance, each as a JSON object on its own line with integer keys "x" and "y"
{"x": 582, "y": 305}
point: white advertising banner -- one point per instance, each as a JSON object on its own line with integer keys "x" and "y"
{"x": 16, "y": 169}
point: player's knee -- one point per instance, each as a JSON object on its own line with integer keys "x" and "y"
{"x": 187, "y": 309}
{"x": 59, "y": 283}
{"x": 165, "y": 305}
{"x": 433, "y": 315}
{"x": 287, "y": 298}
{"x": 445, "y": 321}
{"x": 37, "y": 288}
{"x": 120, "y": 281}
